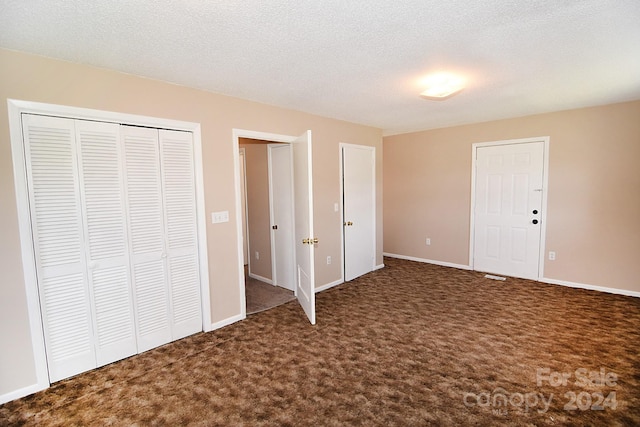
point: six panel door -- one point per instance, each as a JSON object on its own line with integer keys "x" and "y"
{"x": 508, "y": 197}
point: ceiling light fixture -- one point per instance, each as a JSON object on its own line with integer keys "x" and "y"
{"x": 441, "y": 86}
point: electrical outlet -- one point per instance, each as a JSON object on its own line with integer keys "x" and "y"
{"x": 552, "y": 256}
{"x": 257, "y": 255}
{"x": 428, "y": 241}
{"x": 328, "y": 260}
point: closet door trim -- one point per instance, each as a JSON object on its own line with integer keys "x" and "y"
{"x": 16, "y": 108}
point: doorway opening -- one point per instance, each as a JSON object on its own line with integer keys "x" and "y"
{"x": 266, "y": 176}
{"x": 279, "y": 235}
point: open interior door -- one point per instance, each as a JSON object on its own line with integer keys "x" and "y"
{"x": 304, "y": 238}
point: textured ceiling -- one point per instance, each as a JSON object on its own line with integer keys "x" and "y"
{"x": 359, "y": 61}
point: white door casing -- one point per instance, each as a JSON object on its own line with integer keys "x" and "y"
{"x": 509, "y": 207}
{"x": 358, "y": 195}
{"x": 243, "y": 205}
{"x": 304, "y": 238}
{"x": 282, "y": 215}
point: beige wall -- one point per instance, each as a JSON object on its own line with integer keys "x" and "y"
{"x": 39, "y": 79}
{"x": 258, "y": 207}
{"x": 593, "y": 195}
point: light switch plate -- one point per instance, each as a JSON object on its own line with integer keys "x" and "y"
{"x": 218, "y": 217}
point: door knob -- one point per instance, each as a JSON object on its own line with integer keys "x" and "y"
{"x": 535, "y": 211}
{"x": 349, "y": 223}
{"x": 535, "y": 221}
{"x": 275, "y": 227}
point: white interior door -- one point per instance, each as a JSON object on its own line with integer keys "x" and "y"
{"x": 282, "y": 220}
{"x": 304, "y": 238}
{"x": 358, "y": 183}
{"x": 508, "y": 204}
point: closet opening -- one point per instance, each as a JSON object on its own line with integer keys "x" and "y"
{"x": 112, "y": 234}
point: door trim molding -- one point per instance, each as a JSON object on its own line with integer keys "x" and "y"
{"x": 341, "y": 147}
{"x": 18, "y": 107}
{"x": 545, "y": 186}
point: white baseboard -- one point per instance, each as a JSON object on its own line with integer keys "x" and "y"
{"x": 260, "y": 278}
{"x": 378, "y": 267}
{"x": 328, "y": 285}
{"x": 428, "y": 261}
{"x": 22, "y": 392}
{"x": 227, "y": 321}
{"x": 542, "y": 279}
{"x": 590, "y": 287}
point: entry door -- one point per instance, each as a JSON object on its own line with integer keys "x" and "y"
{"x": 304, "y": 238}
{"x": 358, "y": 183}
{"x": 282, "y": 224}
{"x": 508, "y": 203}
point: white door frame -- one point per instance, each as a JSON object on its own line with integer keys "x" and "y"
{"x": 250, "y": 134}
{"x": 342, "y": 145}
{"x": 243, "y": 195}
{"x": 545, "y": 186}
{"x": 16, "y": 108}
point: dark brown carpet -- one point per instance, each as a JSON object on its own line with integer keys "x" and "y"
{"x": 411, "y": 344}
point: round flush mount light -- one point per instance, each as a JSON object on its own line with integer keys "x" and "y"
{"x": 441, "y": 86}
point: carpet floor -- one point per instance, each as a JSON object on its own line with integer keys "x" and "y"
{"x": 410, "y": 344}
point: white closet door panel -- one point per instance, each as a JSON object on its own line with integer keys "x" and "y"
{"x": 179, "y": 189}
{"x": 113, "y": 314}
{"x": 152, "y": 310}
{"x": 144, "y": 189}
{"x": 67, "y": 325}
{"x": 102, "y": 192}
{"x": 147, "y": 236}
{"x": 185, "y": 293}
{"x": 56, "y": 218}
{"x": 178, "y": 183}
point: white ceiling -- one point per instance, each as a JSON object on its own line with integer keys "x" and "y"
{"x": 359, "y": 61}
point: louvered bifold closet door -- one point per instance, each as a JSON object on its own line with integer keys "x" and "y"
{"x": 179, "y": 192}
{"x": 102, "y": 191}
{"x": 56, "y": 220}
{"x": 143, "y": 186}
